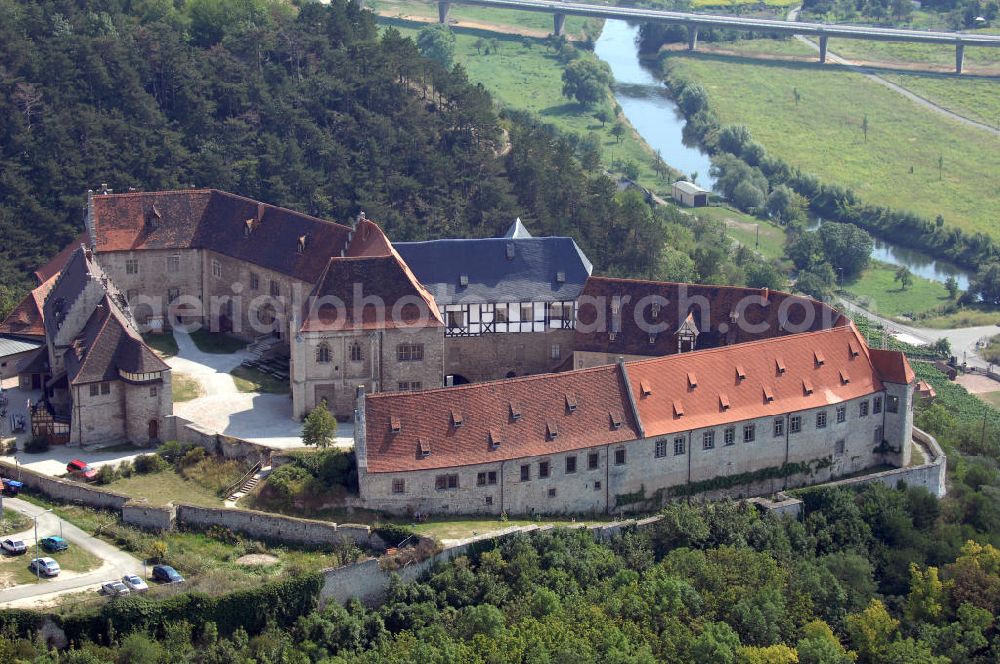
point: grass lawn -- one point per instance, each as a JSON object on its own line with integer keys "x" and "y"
{"x": 216, "y": 342}
{"x": 164, "y": 487}
{"x": 878, "y": 288}
{"x": 891, "y": 53}
{"x": 526, "y": 74}
{"x": 783, "y": 47}
{"x": 822, "y": 135}
{"x": 252, "y": 380}
{"x": 14, "y": 569}
{"x": 992, "y": 398}
{"x": 974, "y": 98}
{"x": 462, "y": 528}
{"x": 965, "y": 317}
{"x": 743, "y": 228}
{"x": 164, "y": 344}
{"x": 13, "y": 522}
{"x": 483, "y": 16}
{"x": 184, "y": 387}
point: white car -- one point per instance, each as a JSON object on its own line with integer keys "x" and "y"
{"x": 135, "y": 583}
{"x": 14, "y": 546}
{"x": 44, "y": 566}
{"x": 114, "y": 589}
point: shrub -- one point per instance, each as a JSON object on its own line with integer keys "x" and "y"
{"x": 285, "y": 480}
{"x": 173, "y": 451}
{"x": 125, "y": 468}
{"x": 106, "y": 474}
{"x": 157, "y": 551}
{"x": 150, "y": 463}
{"x": 192, "y": 457}
{"x": 36, "y": 445}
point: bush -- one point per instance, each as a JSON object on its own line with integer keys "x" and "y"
{"x": 106, "y": 474}
{"x": 36, "y": 445}
{"x": 125, "y": 468}
{"x": 157, "y": 551}
{"x": 173, "y": 451}
{"x": 150, "y": 463}
{"x": 192, "y": 457}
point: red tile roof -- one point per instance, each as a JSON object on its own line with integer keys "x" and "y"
{"x": 520, "y": 413}
{"x": 56, "y": 263}
{"x": 219, "y": 221}
{"x": 26, "y": 318}
{"x": 333, "y": 303}
{"x": 721, "y": 396}
{"x": 369, "y": 240}
{"x": 893, "y": 366}
{"x": 711, "y": 306}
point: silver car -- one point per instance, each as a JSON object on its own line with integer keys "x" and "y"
{"x": 14, "y": 546}
{"x": 114, "y": 589}
{"x": 44, "y": 566}
{"x": 135, "y": 583}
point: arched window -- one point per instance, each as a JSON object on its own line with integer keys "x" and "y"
{"x": 356, "y": 355}
{"x": 323, "y": 353}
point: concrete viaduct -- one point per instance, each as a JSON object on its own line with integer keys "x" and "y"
{"x": 560, "y": 10}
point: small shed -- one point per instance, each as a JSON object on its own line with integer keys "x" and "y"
{"x": 689, "y": 194}
{"x": 14, "y": 350}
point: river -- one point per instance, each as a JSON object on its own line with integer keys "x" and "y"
{"x": 648, "y": 106}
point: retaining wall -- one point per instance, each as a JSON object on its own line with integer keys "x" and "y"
{"x": 68, "y": 491}
{"x": 275, "y": 527}
{"x": 146, "y": 517}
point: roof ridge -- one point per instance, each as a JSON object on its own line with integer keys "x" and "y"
{"x": 688, "y": 283}
{"x": 161, "y": 192}
{"x": 498, "y": 381}
{"x": 272, "y": 206}
{"x": 100, "y": 331}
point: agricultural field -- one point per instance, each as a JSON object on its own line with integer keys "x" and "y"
{"x": 878, "y": 291}
{"x": 977, "y": 59}
{"x": 975, "y": 98}
{"x": 897, "y": 165}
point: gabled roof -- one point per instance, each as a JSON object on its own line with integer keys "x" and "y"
{"x": 368, "y": 240}
{"x": 26, "y": 318}
{"x": 893, "y": 366}
{"x": 761, "y": 314}
{"x": 719, "y": 384}
{"x": 14, "y": 346}
{"x": 689, "y": 187}
{"x": 531, "y": 269}
{"x": 107, "y": 344}
{"x": 219, "y": 221}
{"x": 57, "y": 262}
{"x": 340, "y": 299}
{"x": 520, "y": 414}
{"x": 69, "y": 284}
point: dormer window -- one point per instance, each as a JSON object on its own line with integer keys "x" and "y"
{"x": 423, "y": 448}
{"x": 845, "y": 378}
{"x": 551, "y": 431}
{"x": 854, "y": 349}
{"x": 807, "y": 386}
{"x": 645, "y": 388}
{"x": 692, "y": 380}
{"x": 741, "y": 373}
{"x": 678, "y": 409}
{"x": 494, "y": 439}
{"x": 612, "y": 335}
{"x": 819, "y": 358}
{"x": 570, "y": 404}
{"x": 510, "y": 251}
{"x": 723, "y": 401}
{"x": 616, "y": 305}
{"x": 463, "y": 280}
{"x": 248, "y": 228}
{"x": 394, "y": 424}
{"x": 560, "y": 277}
{"x": 153, "y": 217}
{"x": 302, "y": 243}
{"x": 652, "y": 339}
{"x": 779, "y": 365}
{"x": 655, "y": 309}
{"x": 456, "y": 419}
{"x": 768, "y": 394}
{"x": 515, "y": 411}
{"x": 616, "y": 421}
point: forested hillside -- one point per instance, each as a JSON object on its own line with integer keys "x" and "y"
{"x": 305, "y": 107}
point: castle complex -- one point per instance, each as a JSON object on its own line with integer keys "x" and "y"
{"x": 483, "y": 375}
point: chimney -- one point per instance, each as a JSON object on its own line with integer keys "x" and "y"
{"x": 359, "y": 219}
{"x": 765, "y": 292}
{"x": 88, "y": 220}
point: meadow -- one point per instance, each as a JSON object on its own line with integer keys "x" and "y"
{"x": 982, "y": 58}
{"x": 975, "y": 98}
{"x": 896, "y": 165}
{"x": 480, "y": 16}
{"x": 877, "y": 290}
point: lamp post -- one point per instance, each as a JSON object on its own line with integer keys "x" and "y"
{"x": 38, "y": 571}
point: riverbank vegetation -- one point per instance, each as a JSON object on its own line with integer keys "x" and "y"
{"x": 880, "y": 290}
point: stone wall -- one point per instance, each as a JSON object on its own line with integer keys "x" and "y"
{"x": 505, "y": 354}
{"x": 275, "y": 527}
{"x": 146, "y": 517}
{"x": 67, "y": 491}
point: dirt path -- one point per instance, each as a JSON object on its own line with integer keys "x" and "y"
{"x": 793, "y": 15}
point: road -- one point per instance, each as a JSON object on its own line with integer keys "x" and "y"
{"x": 116, "y": 562}
{"x": 740, "y": 22}
{"x": 793, "y": 15}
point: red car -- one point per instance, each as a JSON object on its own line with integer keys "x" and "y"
{"x": 81, "y": 470}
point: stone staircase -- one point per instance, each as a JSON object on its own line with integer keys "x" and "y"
{"x": 263, "y": 347}
{"x": 248, "y": 485}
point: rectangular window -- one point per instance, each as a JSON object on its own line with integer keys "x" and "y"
{"x": 660, "y": 450}
{"x": 95, "y": 389}
{"x": 841, "y": 414}
{"x": 593, "y": 461}
{"x": 620, "y": 457}
{"x": 442, "y": 482}
{"x": 453, "y": 481}
{"x": 876, "y": 405}
{"x": 892, "y": 404}
{"x": 500, "y": 314}
{"x": 152, "y": 391}
{"x": 749, "y": 433}
{"x": 570, "y": 465}
{"x": 729, "y": 437}
{"x": 410, "y": 352}
{"x": 679, "y": 445}
{"x": 489, "y": 500}
{"x": 839, "y": 449}
{"x": 779, "y": 427}
{"x": 821, "y": 419}
{"x": 173, "y": 264}
{"x": 399, "y": 486}
{"x": 863, "y": 408}
{"x": 216, "y": 269}
{"x": 527, "y": 313}
{"x": 173, "y": 294}
{"x": 481, "y": 479}
{"x": 543, "y": 469}
{"x": 795, "y": 424}
{"x": 491, "y": 477}
{"x": 525, "y": 473}
{"x": 275, "y": 288}
{"x": 597, "y": 485}
{"x": 708, "y": 440}
{"x": 254, "y": 281}
{"x": 456, "y": 320}
{"x": 555, "y": 352}
{"x": 552, "y": 493}
{"x": 132, "y": 266}
{"x": 105, "y": 388}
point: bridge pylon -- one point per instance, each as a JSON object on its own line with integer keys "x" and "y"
{"x": 959, "y": 57}
{"x": 558, "y": 21}
{"x": 692, "y": 37}
{"x": 822, "y": 49}
{"x": 443, "y": 8}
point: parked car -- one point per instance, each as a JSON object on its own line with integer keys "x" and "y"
{"x": 135, "y": 583}
{"x": 44, "y": 566}
{"x": 81, "y": 470}
{"x": 53, "y": 544}
{"x": 166, "y": 574}
{"x": 114, "y": 589}
{"x": 14, "y": 546}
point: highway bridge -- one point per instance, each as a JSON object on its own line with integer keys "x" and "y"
{"x": 560, "y": 10}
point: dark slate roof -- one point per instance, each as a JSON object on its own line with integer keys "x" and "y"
{"x": 36, "y": 363}
{"x": 57, "y": 262}
{"x": 70, "y": 283}
{"x": 106, "y": 344}
{"x": 531, "y": 274}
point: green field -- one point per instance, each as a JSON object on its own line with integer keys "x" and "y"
{"x": 482, "y": 16}
{"x": 769, "y": 243}
{"x": 975, "y": 98}
{"x": 878, "y": 291}
{"x": 14, "y": 569}
{"x": 184, "y": 387}
{"x": 164, "y": 487}
{"x": 822, "y": 134}
{"x": 903, "y": 53}
{"x": 965, "y": 317}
